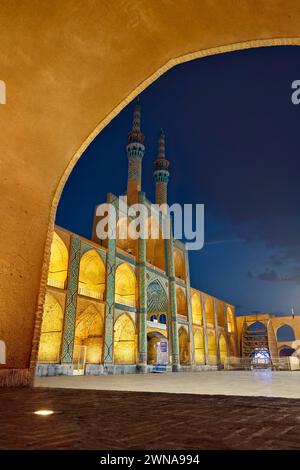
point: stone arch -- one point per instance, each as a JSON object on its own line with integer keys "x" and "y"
{"x": 196, "y": 308}
{"x": 59, "y": 258}
{"x": 285, "y": 333}
{"x": 179, "y": 264}
{"x": 155, "y": 247}
{"x": 209, "y": 310}
{"x": 257, "y": 328}
{"x": 157, "y": 300}
{"x": 212, "y": 347}
{"x": 125, "y": 285}
{"x": 51, "y": 331}
{"x": 230, "y": 320}
{"x": 181, "y": 301}
{"x": 199, "y": 347}
{"x": 282, "y": 31}
{"x": 92, "y": 275}
{"x": 89, "y": 331}
{"x": 124, "y": 340}
{"x": 184, "y": 346}
{"x": 157, "y": 348}
{"x": 222, "y": 348}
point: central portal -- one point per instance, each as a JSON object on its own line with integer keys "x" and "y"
{"x": 157, "y": 348}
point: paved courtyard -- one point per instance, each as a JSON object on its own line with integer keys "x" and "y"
{"x": 102, "y": 419}
{"x": 244, "y": 383}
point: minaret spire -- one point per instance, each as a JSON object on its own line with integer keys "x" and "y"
{"x": 161, "y": 173}
{"x": 135, "y": 152}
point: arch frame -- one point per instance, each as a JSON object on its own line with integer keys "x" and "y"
{"x": 26, "y": 376}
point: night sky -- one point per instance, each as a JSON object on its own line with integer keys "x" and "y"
{"x": 232, "y": 137}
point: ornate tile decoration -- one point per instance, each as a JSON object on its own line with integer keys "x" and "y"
{"x": 70, "y": 314}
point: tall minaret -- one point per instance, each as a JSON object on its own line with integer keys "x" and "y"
{"x": 161, "y": 173}
{"x": 135, "y": 152}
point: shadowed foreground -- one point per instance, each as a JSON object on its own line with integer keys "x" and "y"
{"x": 93, "y": 419}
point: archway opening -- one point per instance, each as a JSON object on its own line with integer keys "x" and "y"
{"x": 51, "y": 331}
{"x": 285, "y": 334}
{"x": 212, "y": 347}
{"x": 181, "y": 301}
{"x": 91, "y": 275}
{"x": 184, "y": 346}
{"x": 157, "y": 347}
{"x": 223, "y": 349}
{"x": 157, "y": 302}
{"x": 89, "y": 331}
{"x": 125, "y": 285}
{"x": 179, "y": 265}
{"x": 209, "y": 311}
{"x": 286, "y": 351}
{"x": 124, "y": 340}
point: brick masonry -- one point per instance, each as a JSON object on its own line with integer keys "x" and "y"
{"x": 103, "y": 420}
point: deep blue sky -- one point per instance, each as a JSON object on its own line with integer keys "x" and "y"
{"x": 233, "y": 140}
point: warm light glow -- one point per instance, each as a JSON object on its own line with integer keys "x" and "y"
{"x": 178, "y": 264}
{"x": 58, "y": 263}
{"x": 92, "y": 274}
{"x": 199, "y": 347}
{"x": 196, "y": 308}
{"x": 89, "y": 332}
{"x": 181, "y": 301}
{"x": 124, "y": 340}
{"x": 51, "y": 334}
{"x": 184, "y": 346}
{"x": 44, "y": 412}
{"x": 125, "y": 285}
{"x": 209, "y": 310}
{"x": 223, "y": 348}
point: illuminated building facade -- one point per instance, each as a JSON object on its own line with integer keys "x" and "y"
{"x": 125, "y": 306}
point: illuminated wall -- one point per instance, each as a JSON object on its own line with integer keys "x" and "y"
{"x": 223, "y": 348}
{"x": 123, "y": 240}
{"x": 125, "y": 285}
{"x": 51, "y": 334}
{"x": 230, "y": 320}
{"x": 196, "y": 308}
{"x": 199, "y": 347}
{"x": 184, "y": 346}
{"x": 89, "y": 331}
{"x": 124, "y": 340}
{"x": 209, "y": 310}
{"x": 212, "y": 347}
{"x": 179, "y": 265}
{"x": 220, "y": 313}
{"x": 181, "y": 301}
{"x": 58, "y": 268}
{"x": 91, "y": 275}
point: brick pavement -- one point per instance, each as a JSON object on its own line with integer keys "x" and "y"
{"x": 94, "y": 419}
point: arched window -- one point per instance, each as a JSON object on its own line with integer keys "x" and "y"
{"x": 125, "y": 285}
{"x": 199, "y": 347}
{"x": 163, "y": 318}
{"x": 58, "y": 267}
{"x": 257, "y": 328}
{"x": 89, "y": 332}
{"x": 285, "y": 333}
{"x": 209, "y": 310}
{"x": 178, "y": 264}
{"x": 51, "y": 332}
{"x": 124, "y": 340}
{"x": 222, "y": 348}
{"x": 286, "y": 351}
{"x": 181, "y": 301}
{"x": 184, "y": 346}
{"x": 196, "y": 308}
{"x": 91, "y": 275}
{"x": 153, "y": 318}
